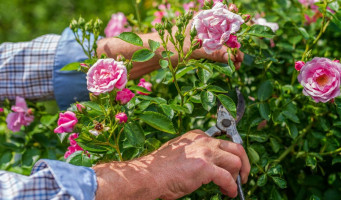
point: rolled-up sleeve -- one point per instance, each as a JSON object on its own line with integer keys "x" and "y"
{"x": 50, "y": 179}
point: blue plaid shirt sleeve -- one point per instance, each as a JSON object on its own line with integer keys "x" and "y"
{"x": 49, "y": 179}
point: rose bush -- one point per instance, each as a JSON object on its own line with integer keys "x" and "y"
{"x": 292, "y": 141}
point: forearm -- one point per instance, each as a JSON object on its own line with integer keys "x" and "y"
{"x": 114, "y": 46}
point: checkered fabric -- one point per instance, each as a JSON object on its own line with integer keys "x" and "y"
{"x": 40, "y": 185}
{"x": 26, "y": 68}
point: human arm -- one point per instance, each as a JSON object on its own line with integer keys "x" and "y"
{"x": 178, "y": 168}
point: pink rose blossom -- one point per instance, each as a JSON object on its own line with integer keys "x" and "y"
{"x": 299, "y": 65}
{"x": 188, "y": 6}
{"x": 66, "y": 122}
{"x": 80, "y": 107}
{"x": 124, "y": 96}
{"x": 105, "y": 75}
{"x": 20, "y": 115}
{"x": 72, "y": 138}
{"x": 337, "y": 61}
{"x": 308, "y": 2}
{"x": 2, "y": 110}
{"x": 144, "y": 84}
{"x": 320, "y": 78}
{"x": 233, "y": 42}
{"x": 117, "y": 25}
{"x": 121, "y": 117}
{"x": 215, "y": 26}
{"x": 73, "y": 146}
{"x": 261, "y": 21}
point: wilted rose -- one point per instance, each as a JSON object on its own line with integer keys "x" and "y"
{"x": 124, "y": 96}
{"x": 66, "y": 122}
{"x": 215, "y": 26}
{"x": 105, "y": 75}
{"x": 117, "y": 25}
{"x": 20, "y": 115}
{"x": 320, "y": 78}
{"x": 144, "y": 84}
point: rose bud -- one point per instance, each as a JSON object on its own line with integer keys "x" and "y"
{"x": 121, "y": 117}
{"x": 299, "y": 65}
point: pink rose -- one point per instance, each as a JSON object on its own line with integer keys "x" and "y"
{"x": 337, "y": 61}
{"x": 105, "y": 75}
{"x": 2, "y": 110}
{"x": 71, "y": 150}
{"x": 124, "y": 96}
{"x": 80, "y": 107}
{"x": 144, "y": 84}
{"x": 117, "y": 25}
{"x": 66, "y": 122}
{"x": 121, "y": 117}
{"x": 261, "y": 21}
{"x": 188, "y": 6}
{"x": 299, "y": 65}
{"x": 233, "y": 42}
{"x": 308, "y": 2}
{"x": 72, "y": 138}
{"x": 320, "y": 78}
{"x": 215, "y": 26}
{"x": 20, "y": 115}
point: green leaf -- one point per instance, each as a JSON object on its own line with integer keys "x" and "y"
{"x": 311, "y": 161}
{"x": 153, "y": 45}
{"x": 30, "y": 156}
{"x": 6, "y": 158}
{"x": 275, "y": 195}
{"x": 47, "y": 120}
{"x": 140, "y": 89}
{"x": 158, "y": 121}
{"x": 262, "y": 180}
{"x": 208, "y": 100}
{"x": 182, "y": 72}
{"x": 144, "y": 105}
{"x": 231, "y": 64}
{"x": 228, "y": 103}
{"x": 80, "y": 159}
{"x": 167, "y": 110}
{"x": 217, "y": 89}
{"x": 275, "y": 145}
{"x": 215, "y": 197}
{"x": 314, "y": 197}
{"x": 292, "y": 129}
{"x": 71, "y": 67}
{"x": 291, "y": 116}
{"x": 142, "y": 55}
{"x": 131, "y": 38}
{"x": 259, "y": 137}
{"x": 304, "y": 33}
{"x": 222, "y": 68}
{"x": 163, "y": 64}
{"x": 164, "y": 54}
{"x": 204, "y": 75}
{"x": 264, "y": 110}
{"x": 134, "y": 134}
{"x": 336, "y": 160}
{"x": 261, "y": 31}
{"x": 265, "y": 90}
{"x": 189, "y": 107}
{"x": 91, "y": 147}
{"x": 279, "y": 181}
{"x": 253, "y": 155}
{"x": 62, "y": 136}
{"x": 92, "y": 105}
{"x": 195, "y": 99}
{"x": 275, "y": 170}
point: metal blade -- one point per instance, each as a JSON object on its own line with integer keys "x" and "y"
{"x": 240, "y": 105}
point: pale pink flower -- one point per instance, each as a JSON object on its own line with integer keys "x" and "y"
{"x": 20, "y": 115}
{"x": 66, "y": 122}
{"x": 124, "y": 96}
{"x": 299, "y": 65}
{"x": 308, "y": 2}
{"x": 233, "y": 8}
{"x": 233, "y": 42}
{"x": 261, "y": 21}
{"x": 117, "y": 25}
{"x": 121, "y": 117}
{"x": 320, "y": 78}
{"x": 146, "y": 85}
{"x": 215, "y": 26}
{"x": 2, "y": 110}
{"x": 105, "y": 75}
{"x": 337, "y": 61}
{"x": 188, "y": 6}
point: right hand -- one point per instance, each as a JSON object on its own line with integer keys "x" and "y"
{"x": 185, "y": 163}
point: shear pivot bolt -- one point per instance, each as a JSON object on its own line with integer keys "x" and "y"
{"x": 226, "y": 122}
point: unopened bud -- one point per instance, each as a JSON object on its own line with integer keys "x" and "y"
{"x": 80, "y": 107}
{"x": 194, "y": 32}
{"x": 198, "y": 43}
{"x": 89, "y": 26}
{"x": 74, "y": 25}
{"x": 120, "y": 58}
{"x": 84, "y": 65}
{"x": 299, "y": 65}
{"x": 246, "y": 17}
{"x": 81, "y": 21}
{"x": 30, "y": 111}
{"x": 233, "y": 8}
{"x": 98, "y": 24}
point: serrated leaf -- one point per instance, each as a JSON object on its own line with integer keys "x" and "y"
{"x": 304, "y": 32}
{"x": 144, "y": 105}
{"x": 274, "y": 145}
{"x": 134, "y": 134}
{"x": 80, "y": 159}
{"x": 153, "y": 45}
{"x": 311, "y": 161}
{"x": 182, "y": 72}
{"x": 92, "y": 105}
{"x": 217, "y": 89}
{"x": 131, "y": 38}
{"x": 222, "y": 68}
{"x": 71, "y": 67}
{"x": 164, "y": 54}
{"x": 261, "y": 31}
{"x": 291, "y": 116}
{"x": 231, "y": 64}
{"x": 189, "y": 107}
{"x": 91, "y": 147}
{"x": 163, "y": 64}
{"x": 167, "y": 110}
{"x": 275, "y": 170}
{"x": 264, "y": 110}
{"x": 292, "y": 129}
{"x": 208, "y": 100}
{"x": 140, "y": 89}
{"x": 195, "y": 99}
{"x": 30, "y": 156}
{"x": 228, "y": 103}
{"x": 158, "y": 121}
{"x": 336, "y": 160}
{"x": 142, "y": 55}
{"x": 62, "y": 136}
{"x": 253, "y": 155}
{"x": 265, "y": 90}
{"x": 204, "y": 75}
{"x": 262, "y": 180}
{"x": 258, "y": 137}
{"x": 279, "y": 181}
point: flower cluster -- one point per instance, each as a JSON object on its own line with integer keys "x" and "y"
{"x": 21, "y": 115}
{"x": 117, "y": 24}
{"x": 73, "y": 145}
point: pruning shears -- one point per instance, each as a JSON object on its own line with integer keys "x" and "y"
{"x": 227, "y": 124}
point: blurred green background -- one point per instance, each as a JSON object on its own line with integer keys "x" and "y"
{"x": 23, "y": 20}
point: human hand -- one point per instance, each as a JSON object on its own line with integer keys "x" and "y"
{"x": 178, "y": 168}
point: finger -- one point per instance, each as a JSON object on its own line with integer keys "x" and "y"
{"x": 228, "y": 161}
{"x": 239, "y": 151}
{"x": 224, "y": 180}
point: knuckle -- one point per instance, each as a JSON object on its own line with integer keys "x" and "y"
{"x": 201, "y": 164}
{"x": 206, "y": 152}
{"x": 237, "y": 163}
